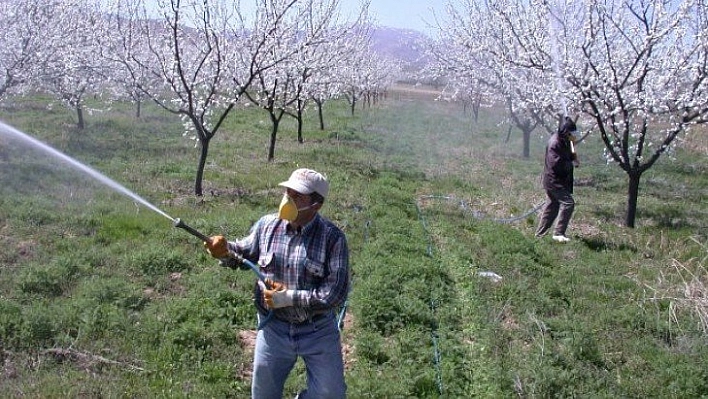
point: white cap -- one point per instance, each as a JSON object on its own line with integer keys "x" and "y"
{"x": 307, "y": 181}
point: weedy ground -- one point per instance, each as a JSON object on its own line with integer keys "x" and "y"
{"x": 100, "y": 297}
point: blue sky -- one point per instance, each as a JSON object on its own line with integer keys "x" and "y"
{"x": 406, "y": 14}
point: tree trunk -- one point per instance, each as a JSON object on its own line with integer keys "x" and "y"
{"x": 320, "y": 114}
{"x": 632, "y": 196}
{"x": 205, "y": 137}
{"x": 138, "y": 105}
{"x": 476, "y": 105}
{"x": 299, "y": 127}
{"x": 273, "y": 135}
{"x": 80, "y": 115}
{"x": 527, "y": 142}
{"x": 198, "y": 189}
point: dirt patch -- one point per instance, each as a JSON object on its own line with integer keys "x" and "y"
{"x": 585, "y": 229}
{"x": 508, "y": 320}
{"x": 348, "y": 342}
{"x": 247, "y": 338}
{"x": 9, "y": 366}
{"x": 86, "y": 361}
{"x": 402, "y": 91}
{"x": 173, "y": 288}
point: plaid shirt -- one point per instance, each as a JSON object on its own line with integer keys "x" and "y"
{"x": 313, "y": 261}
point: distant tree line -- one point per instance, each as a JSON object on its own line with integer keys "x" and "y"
{"x": 195, "y": 59}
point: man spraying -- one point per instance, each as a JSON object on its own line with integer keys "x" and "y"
{"x": 560, "y": 160}
{"x": 305, "y": 261}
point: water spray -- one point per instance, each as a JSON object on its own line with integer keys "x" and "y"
{"x": 98, "y": 176}
{"x": 16, "y": 134}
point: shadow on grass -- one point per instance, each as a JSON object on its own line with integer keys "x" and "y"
{"x": 671, "y": 217}
{"x": 598, "y": 244}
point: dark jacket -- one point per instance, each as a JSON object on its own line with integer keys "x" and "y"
{"x": 558, "y": 167}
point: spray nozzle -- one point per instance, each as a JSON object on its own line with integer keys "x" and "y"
{"x": 179, "y": 223}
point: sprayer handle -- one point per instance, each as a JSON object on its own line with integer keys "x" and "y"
{"x": 247, "y": 264}
{"x": 235, "y": 261}
{"x": 232, "y": 263}
{"x": 180, "y": 224}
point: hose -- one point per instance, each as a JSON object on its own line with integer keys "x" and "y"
{"x": 481, "y": 216}
{"x": 238, "y": 258}
{"x": 437, "y": 356}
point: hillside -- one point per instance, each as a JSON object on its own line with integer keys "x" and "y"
{"x": 398, "y": 44}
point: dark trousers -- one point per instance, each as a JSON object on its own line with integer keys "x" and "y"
{"x": 559, "y": 204}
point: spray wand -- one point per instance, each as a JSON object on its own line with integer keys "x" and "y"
{"x": 180, "y": 224}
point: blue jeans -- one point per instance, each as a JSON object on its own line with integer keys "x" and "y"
{"x": 279, "y": 344}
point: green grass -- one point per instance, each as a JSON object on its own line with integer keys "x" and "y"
{"x": 102, "y": 297}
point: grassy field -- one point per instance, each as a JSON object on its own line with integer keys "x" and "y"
{"x": 101, "y": 297}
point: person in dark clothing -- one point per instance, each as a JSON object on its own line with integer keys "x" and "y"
{"x": 557, "y": 180}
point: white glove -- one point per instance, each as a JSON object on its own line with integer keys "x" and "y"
{"x": 277, "y": 296}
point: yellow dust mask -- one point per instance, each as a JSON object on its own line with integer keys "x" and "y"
{"x": 288, "y": 209}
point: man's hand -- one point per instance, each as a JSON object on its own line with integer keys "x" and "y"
{"x": 217, "y": 247}
{"x": 276, "y": 294}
